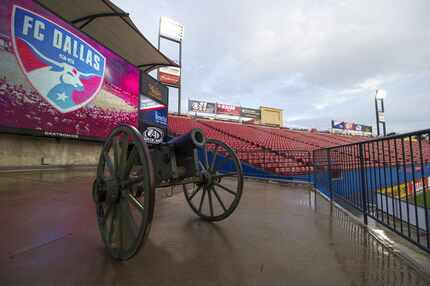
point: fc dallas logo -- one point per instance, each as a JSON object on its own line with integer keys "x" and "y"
{"x": 64, "y": 69}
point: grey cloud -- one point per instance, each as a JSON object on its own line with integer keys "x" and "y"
{"x": 315, "y": 59}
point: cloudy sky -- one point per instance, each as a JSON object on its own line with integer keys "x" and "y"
{"x": 317, "y": 60}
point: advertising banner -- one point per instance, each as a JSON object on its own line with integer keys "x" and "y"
{"x": 153, "y": 110}
{"x": 155, "y": 113}
{"x": 151, "y": 88}
{"x": 227, "y": 109}
{"x": 153, "y": 120}
{"x": 201, "y": 106}
{"x": 170, "y": 76}
{"x": 250, "y": 112}
{"x": 153, "y": 135}
{"x": 153, "y": 125}
{"x": 56, "y": 81}
{"x": 348, "y": 126}
{"x": 406, "y": 189}
{"x": 366, "y": 128}
{"x": 337, "y": 124}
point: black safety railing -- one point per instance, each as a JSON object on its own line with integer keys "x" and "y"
{"x": 386, "y": 179}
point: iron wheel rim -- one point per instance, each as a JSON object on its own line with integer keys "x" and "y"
{"x": 214, "y": 191}
{"x": 124, "y": 193}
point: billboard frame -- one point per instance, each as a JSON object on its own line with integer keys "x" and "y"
{"x": 361, "y": 131}
{"x": 41, "y": 134}
{"x": 164, "y": 35}
{"x": 380, "y": 115}
{"x": 190, "y": 101}
{"x": 169, "y": 84}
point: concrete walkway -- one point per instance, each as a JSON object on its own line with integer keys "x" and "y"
{"x": 278, "y": 236}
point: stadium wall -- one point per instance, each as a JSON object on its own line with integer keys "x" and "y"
{"x": 28, "y": 152}
{"x": 377, "y": 178}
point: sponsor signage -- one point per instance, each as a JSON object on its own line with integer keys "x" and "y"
{"x": 171, "y": 29}
{"x": 170, "y": 76}
{"x": 337, "y": 124}
{"x": 365, "y": 128}
{"x": 250, "y": 112}
{"x": 153, "y": 135}
{"x": 153, "y": 110}
{"x": 58, "y": 81}
{"x": 348, "y": 126}
{"x": 147, "y": 103}
{"x": 152, "y": 89}
{"x": 406, "y": 189}
{"x": 201, "y": 106}
{"x": 153, "y": 113}
{"x": 227, "y": 109}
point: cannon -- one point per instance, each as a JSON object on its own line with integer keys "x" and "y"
{"x": 130, "y": 170}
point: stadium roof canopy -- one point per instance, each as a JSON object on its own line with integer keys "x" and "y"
{"x": 112, "y": 27}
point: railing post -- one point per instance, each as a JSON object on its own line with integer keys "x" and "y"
{"x": 264, "y": 163}
{"x": 308, "y": 167}
{"x": 363, "y": 184}
{"x": 330, "y": 189}
{"x": 313, "y": 166}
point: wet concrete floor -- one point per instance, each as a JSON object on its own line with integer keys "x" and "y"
{"x": 278, "y": 236}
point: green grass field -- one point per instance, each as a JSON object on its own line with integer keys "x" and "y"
{"x": 420, "y": 199}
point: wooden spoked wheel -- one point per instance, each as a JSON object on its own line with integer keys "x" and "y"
{"x": 124, "y": 192}
{"x": 218, "y": 193}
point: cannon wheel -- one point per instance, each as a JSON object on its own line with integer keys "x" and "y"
{"x": 218, "y": 194}
{"x": 124, "y": 192}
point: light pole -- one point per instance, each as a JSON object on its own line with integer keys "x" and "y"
{"x": 172, "y": 31}
{"x": 379, "y": 109}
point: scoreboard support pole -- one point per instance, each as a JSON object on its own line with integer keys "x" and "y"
{"x": 180, "y": 78}
{"x": 380, "y": 110}
{"x": 179, "y": 86}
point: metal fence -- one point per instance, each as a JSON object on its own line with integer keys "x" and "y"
{"x": 386, "y": 179}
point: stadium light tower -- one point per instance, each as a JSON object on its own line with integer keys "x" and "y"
{"x": 172, "y": 31}
{"x": 379, "y": 108}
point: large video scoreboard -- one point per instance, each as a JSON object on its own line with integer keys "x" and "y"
{"x": 57, "y": 81}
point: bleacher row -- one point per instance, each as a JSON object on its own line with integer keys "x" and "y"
{"x": 277, "y": 150}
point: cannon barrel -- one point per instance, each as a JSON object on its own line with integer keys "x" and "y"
{"x": 188, "y": 141}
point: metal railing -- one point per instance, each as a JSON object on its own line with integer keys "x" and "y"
{"x": 386, "y": 179}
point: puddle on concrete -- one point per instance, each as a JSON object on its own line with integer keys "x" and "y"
{"x": 361, "y": 256}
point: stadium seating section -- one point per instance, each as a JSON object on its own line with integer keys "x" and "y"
{"x": 278, "y": 150}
